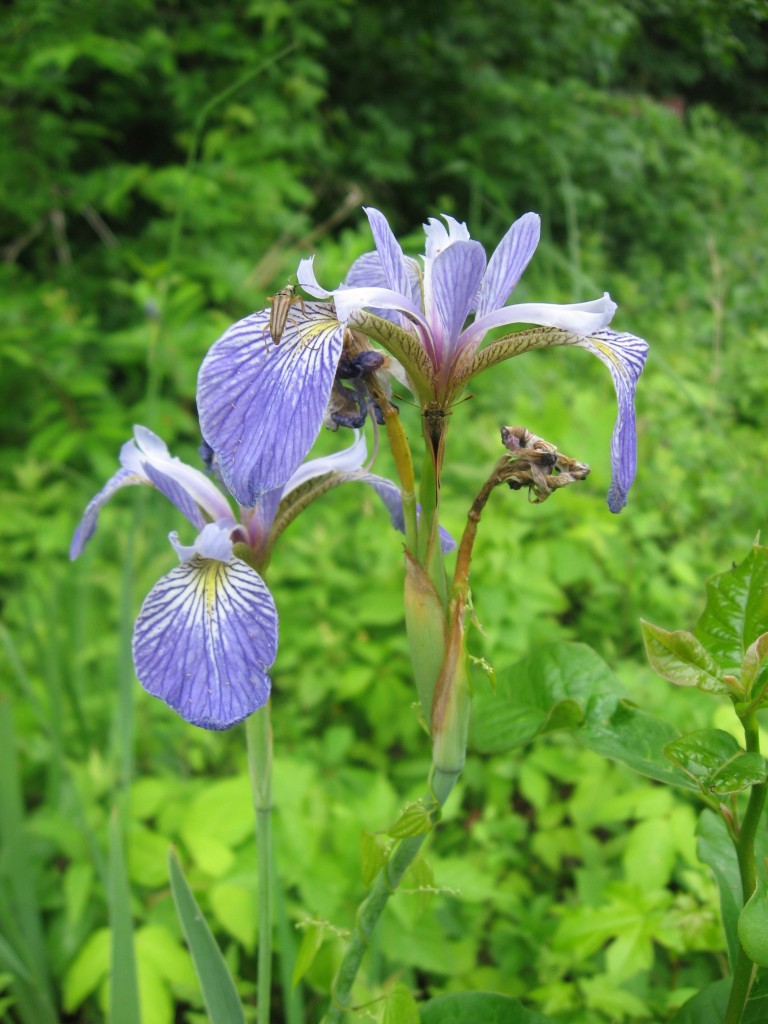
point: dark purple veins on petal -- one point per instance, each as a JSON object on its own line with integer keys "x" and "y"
{"x": 261, "y": 406}
{"x": 205, "y": 639}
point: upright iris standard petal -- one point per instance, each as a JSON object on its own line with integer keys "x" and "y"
{"x": 506, "y": 265}
{"x": 455, "y": 276}
{"x": 438, "y": 237}
{"x": 261, "y": 405}
{"x": 367, "y": 272}
{"x": 391, "y": 255}
{"x": 205, "y": 639}
{"x": 186, "y": 487}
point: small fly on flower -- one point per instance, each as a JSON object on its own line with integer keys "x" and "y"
{"x": 280, "y": 307}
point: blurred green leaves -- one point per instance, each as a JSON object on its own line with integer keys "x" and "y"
{"x": 650, "y": 184}
{"x": 568, "y": 686}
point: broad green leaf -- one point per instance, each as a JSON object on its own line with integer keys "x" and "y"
{"x": 744, "y": 771}
{"x": 701, "y": 753}
{"x": 554, "y": 687}
{"x": 736, "y": 612}
{"x": 218, "y": 820}
{"x": 234, "y": 907}
{"x": 123, "y": 977}
{"x": 755, "y": 660}
{"x": 682, "y": 659}
{"x": 753, "y": 926}
{"x": 714, "y": 759}
{"x": 625, "y": 733}
{"x": 156, "y": 998}
{"x": 756, "y": 1010}
{"x": 311, "y": 942}
{"x": 478, "y": 1008}
{"x": 715, "y": 848}
{"x": 87, "y": 970}
{"x": 147, "y": 857}
{"x": 543, "y": 691}
{"x": 423, "y": 943}
{"x": 159, "y": 946}
{"x": 219, "y": 993}
{"x": 400, "y": 1007}
{"x": 706, "y": 1007}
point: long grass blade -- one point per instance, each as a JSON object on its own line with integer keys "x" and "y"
{"x": 124, "y": 1005}
{"x": 23, "y": 949}
{"x": 218, "y": 988}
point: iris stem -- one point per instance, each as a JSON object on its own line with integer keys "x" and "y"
{"x": 384, "y": 885}
{"x": 400, "y": 448}
{"x": 401, "y": 453}
{"x": 744, "y": 970}
{"x": 258, "y": 732}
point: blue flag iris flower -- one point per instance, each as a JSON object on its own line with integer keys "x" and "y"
{"x": 207, "y": 633}
{"x": 262, "y": 405}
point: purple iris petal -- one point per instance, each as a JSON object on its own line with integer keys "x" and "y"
{"x": 176, "y": 494}
{"x": 214, "y": 541}
{"x": 455, "y": 278}
{"x": 204, "y": 640}
{"x": 392, "y": 499}
{"x": 438, "y": 236}
{"x": 508, "y": 262}
{"x": 258, "y": 520}
{"x": 624, "y": 355}
{"x": 343, "y": 461}
{"x": 391, "y": 255}
{"x": 367, "y": 272}
{"x": 261, "y": 405}
{"x": 578, "y": 317}
{"x": 87, "y": 526}
{"x": 348, "y": 300}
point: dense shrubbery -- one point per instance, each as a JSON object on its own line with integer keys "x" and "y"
{"x": 165, "y": 167}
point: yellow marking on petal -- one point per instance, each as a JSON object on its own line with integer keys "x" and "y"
{"x": 609, "y": 354}
{"x": 211, "y": 580}
{"x": 316, "y": 327}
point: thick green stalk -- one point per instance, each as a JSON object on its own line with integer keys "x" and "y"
{"x": 743, "y": 973}
{"x": 258, "y": 731}
{"x": 384, "y": 885}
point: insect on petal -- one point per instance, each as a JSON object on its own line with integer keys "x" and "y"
{"x": 205, "y": 639}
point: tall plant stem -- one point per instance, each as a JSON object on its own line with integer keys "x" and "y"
{"x": 384, "y": 885}
{"x": 743, "y": 972}
{"x": 258, "y": 731}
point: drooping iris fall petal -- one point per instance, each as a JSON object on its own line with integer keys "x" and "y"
{"x": 261, "y": 405}
{"x": 204, "y": 640}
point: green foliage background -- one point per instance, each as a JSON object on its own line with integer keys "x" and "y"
{"x": 165, "y": 165}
